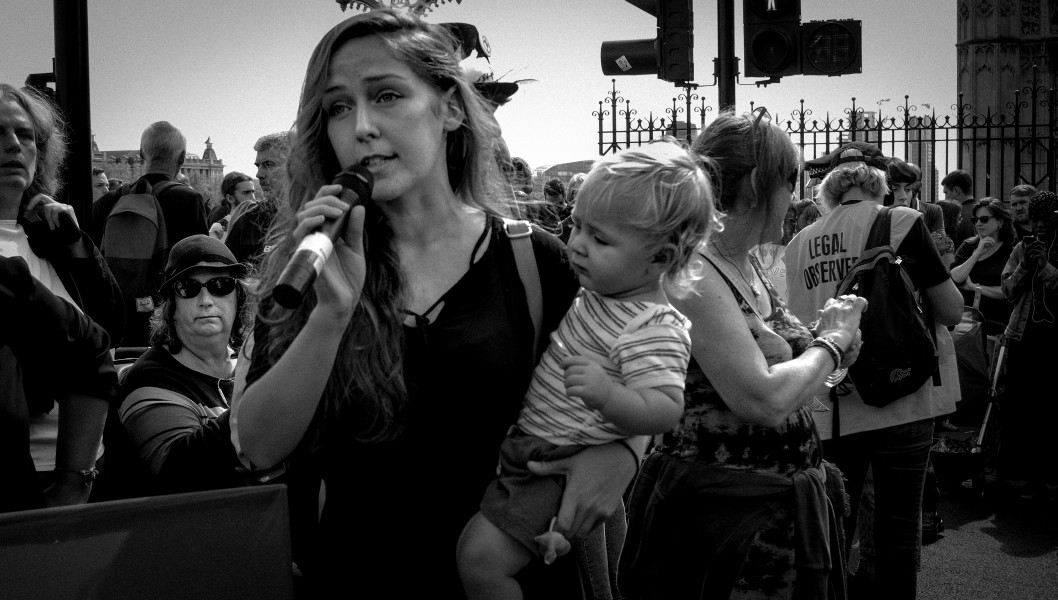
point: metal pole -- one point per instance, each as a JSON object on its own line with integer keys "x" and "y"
{"x": 71, "y": 94}
{"x": 725, "y": 42}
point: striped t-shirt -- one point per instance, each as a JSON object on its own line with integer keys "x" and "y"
{"x": 642, "y": 344}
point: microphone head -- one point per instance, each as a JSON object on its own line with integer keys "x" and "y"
{"x": 358, "y": 179}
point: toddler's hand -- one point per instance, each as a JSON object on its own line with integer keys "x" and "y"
{"x": 587, "y": 380}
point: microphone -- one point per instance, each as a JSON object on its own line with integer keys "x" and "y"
{"x": 307, "y": 261}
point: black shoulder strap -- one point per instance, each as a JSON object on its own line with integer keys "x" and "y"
{"x": 519, "y": 233}
{"x": 880, "y": 231}
{"x": 157, "y": 190}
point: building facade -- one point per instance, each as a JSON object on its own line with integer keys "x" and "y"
{"x": 204, "y": 172}
{"x": 1006, "y": 53}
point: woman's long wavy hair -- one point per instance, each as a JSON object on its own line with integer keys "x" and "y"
{"x": 366, "y": 387}
{"x": 49, "y": 135}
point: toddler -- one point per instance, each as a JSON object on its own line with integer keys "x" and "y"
{"x": 615, "y": 366}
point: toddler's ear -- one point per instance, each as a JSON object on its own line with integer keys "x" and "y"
{"x": 665, "y": 256}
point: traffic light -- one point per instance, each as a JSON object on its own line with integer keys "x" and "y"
{"x": 670, "y": 54}
{"x": 831, "y": 47}
{"x": 772, "y": 37}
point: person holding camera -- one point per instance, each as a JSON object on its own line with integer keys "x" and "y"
{"x": 1030, "y": 280}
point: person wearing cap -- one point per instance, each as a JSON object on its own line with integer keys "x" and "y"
{"x": 176, "y": 396}
{"x": 1030, "y": 281}
{"x": 893, "y": 440}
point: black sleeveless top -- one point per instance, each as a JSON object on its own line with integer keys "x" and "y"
{"x": 395, "y": 509}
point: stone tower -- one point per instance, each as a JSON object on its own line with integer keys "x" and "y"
{"x": 1006, "y": 53}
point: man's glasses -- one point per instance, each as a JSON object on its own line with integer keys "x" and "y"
{"x": 218, "y": 286}
{"x": 981, "y": 220}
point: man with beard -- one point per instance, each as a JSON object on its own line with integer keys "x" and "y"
{"x": 248, "y": 229}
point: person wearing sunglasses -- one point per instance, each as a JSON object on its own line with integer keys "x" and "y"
{"x": 979, "y": 263}
{"x": 174, "y": 411}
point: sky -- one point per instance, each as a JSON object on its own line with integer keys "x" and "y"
{"x": 231, "y": 70}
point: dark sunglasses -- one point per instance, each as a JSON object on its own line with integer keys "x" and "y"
{"x": 218, "y": 286}
{"x": 981, "y": 220}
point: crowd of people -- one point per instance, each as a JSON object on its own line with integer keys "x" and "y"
{"x": 646, "y": 410}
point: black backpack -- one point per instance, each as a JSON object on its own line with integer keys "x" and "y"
{"x": 899, "y": 345}
{"x": 135, "y": 245}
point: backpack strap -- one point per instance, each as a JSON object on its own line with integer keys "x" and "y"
{"x": 157, "y": 190}
{"x": 880, "y": 234}
{"x": 519, "y": 233}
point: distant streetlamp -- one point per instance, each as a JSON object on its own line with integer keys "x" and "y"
{"x": 416, "y": 7}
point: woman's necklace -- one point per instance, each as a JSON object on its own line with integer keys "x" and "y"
{"x": 752, "y": 285}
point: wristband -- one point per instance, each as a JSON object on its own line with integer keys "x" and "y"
{"x": 832, "y": 349}
{"x": 87, "y": 475}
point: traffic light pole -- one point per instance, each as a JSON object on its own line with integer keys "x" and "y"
{"x": 726, "y": 67}
{"x": 71, "y": 94}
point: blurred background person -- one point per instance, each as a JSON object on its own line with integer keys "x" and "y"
{"x": 1019, "y": 209}
{"x": 1030, "y": 280}
{"x": 572, "y": 189}
{"x": 137, "y": 253}
{"x": 905, "y": 181}
{"x": 100, "y": 184}
{"x": 980, "y": 260}
{"x": 236, "y": 188}
{"x": 163, "y": 149}
{"x": 248, "y": 223}
{"x": 553, "y": 209}
{"x": 958, "y": 189}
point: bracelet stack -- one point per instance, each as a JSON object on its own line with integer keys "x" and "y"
{"x": 832, "y": 349}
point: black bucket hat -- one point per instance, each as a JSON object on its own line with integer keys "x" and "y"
{"x": 199, "y": 252}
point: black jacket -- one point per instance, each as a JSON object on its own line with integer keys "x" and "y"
{"x": 41, "y": 332}
{"x": 85, "y": 275}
